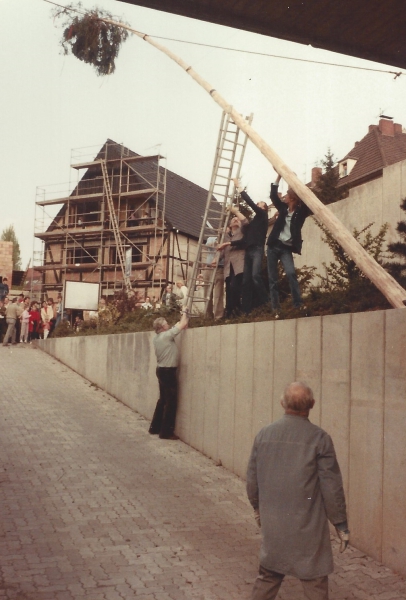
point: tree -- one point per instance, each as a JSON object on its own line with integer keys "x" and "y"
{"x": 9, "y": 235}
{"x": 397, "y": 267}
{"x": 326, "y": 188}
{"x": 344, "y": 288}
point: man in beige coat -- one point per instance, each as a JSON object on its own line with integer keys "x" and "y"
{"x": 13, "y": 312}
{"x": 294, "y": 484}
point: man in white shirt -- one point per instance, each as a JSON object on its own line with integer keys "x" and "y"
{"x": 167, "y": 355}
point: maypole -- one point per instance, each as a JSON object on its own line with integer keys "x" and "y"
{"x": 393, "y": 292}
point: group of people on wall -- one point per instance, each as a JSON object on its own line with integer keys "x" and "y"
{"x": 238, "y": 285}
{"x": 239, "y": 258}
{"x": 243, "y": 250}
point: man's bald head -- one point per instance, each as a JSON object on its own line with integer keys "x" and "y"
{"x": 298, "y": 397}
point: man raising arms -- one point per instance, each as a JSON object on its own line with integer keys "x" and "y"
{"x": 167, "y": 355}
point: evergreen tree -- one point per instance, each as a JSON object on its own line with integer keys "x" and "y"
{"x": 343, "y": 273}
{"x": 8, "y": 235}
{"x": 397, "y": 267}
{"x": 326, "y": 188}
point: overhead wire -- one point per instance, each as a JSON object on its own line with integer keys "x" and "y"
{"x": 253, "y": 52}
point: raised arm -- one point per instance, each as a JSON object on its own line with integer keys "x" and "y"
{"x": 234, "y": 210}
{"x": 257, "y": 210}
{"x": 184, "y": 320}
{"x": 274, "y": 193}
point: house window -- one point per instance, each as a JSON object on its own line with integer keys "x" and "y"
{"x": 79, "y": 256}
{"x": 346, "y": 166}
{"x": 138, "y": 254}
{"x": 85, "y": 213}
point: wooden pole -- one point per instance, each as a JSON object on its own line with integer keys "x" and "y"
{"x": 392, "y": 291}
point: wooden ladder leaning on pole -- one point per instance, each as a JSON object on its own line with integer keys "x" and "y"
{"x": 115, "y": 226}
{"x": 230, "y": 150}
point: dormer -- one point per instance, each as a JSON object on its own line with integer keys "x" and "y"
{"x": 345, "y": 167}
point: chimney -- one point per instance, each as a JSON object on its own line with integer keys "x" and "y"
{"x": 387, "y": 127}
{"x": 398, "y": 128}
{"x": 316, "y": 172}
{"x": 372, "y": 127}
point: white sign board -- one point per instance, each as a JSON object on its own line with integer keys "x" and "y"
{"x": 81, "y": 296}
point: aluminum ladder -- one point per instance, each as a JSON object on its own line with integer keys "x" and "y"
{"x": 230, "y": 150}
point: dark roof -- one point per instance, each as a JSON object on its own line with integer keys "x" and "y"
{"x": 384, "y": 145}
{"x": 185, "y": 201}
{"x": 369, "y": 29}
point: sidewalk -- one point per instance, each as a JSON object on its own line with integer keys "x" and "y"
{"x": 94, "y": 507}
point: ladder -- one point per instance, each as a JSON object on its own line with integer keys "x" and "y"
{"x": 230, "y": 150}
{"x": 115, "y": 226}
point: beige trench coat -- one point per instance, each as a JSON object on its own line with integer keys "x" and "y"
{"x": 294, "y": 479}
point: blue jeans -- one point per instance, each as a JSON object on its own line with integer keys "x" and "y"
{"x": 252, "y": 279}
{"x": 283, "y": 253}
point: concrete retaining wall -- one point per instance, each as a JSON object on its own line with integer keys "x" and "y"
{"x": 231, "y": 380}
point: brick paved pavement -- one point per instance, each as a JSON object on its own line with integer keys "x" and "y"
{"x": 94, "y": 507}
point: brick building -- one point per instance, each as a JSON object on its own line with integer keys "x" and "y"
{"x": 6, "y": 260}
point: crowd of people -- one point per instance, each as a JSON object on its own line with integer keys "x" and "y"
{"x": 23, "y": 320}
{"x": 238, "y": 285}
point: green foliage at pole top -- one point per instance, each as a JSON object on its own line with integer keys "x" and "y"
{"x": 9, "y": 235}
{"x": 326, "y": 188}
{"x": 89, "y": 38}
{"x": 397, "y": 267}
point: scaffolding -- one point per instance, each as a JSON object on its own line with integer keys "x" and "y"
{"x": 108, "y": 227}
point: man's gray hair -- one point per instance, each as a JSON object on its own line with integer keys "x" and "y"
{"x": 297, "y": 397}
{"x": 158, "y": 324}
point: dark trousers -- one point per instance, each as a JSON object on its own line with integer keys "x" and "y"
{"x": 233, "y": 293}
{"x": 252, "y": 279}
{"x": 267, "y": 585}
{"x": 163, "y": 421}
{"x": 282, "y": 252}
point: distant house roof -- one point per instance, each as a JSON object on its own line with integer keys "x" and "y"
{"x": 185, "y": 201}
{"x": 384, "y": 145}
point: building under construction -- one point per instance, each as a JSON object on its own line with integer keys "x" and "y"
{"x": 128, "y": 224}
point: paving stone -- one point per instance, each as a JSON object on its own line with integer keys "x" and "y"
{"x": 94, "y": 507}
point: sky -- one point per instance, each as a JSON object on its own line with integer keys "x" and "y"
{"x": 51, "y": 104}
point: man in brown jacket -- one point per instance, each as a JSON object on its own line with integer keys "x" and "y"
{"x": 294, "y": 484}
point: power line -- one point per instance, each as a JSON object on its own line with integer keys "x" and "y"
{"x": 316, "y": 62}
{"x": 305, "y": 60}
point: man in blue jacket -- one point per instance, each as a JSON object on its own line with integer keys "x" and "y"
{"x": 284, "y": 240}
